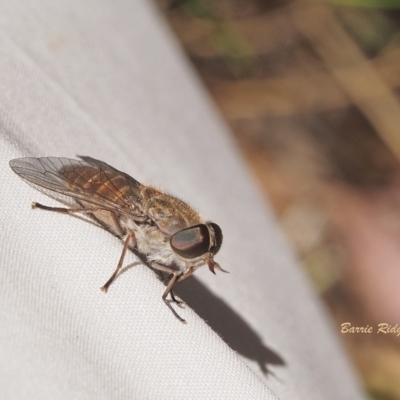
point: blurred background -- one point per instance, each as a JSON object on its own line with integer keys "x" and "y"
{"x": 311, "y": 93}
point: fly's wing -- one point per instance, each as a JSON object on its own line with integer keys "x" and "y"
{"x": 90, "y": 180}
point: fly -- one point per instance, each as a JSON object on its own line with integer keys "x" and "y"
{"x": 172, "y": 236}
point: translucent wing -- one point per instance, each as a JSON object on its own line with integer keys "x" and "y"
{"x": 90, "y": 180}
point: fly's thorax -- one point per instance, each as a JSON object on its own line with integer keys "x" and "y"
{"x": 168, "y": 212}
{"x": 157, "y": 248}
{"x": 127, "y": 223}
{"x": 151, "y": 242}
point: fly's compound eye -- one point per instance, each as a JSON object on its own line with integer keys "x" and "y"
{"x": 217, "y": 238}
{"x": 191, "y": 242}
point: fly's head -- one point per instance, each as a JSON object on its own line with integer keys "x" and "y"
{"x": 191, "y": 240}
{"x": 198, "y": 243}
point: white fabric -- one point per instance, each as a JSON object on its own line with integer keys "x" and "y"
{"x": 105, "y": 79}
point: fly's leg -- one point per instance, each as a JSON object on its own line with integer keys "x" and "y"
{"x": 173, "y": 298}
{"x": 65, "y": 210}
{"x": 114, "y": 223}
{"x": 169, "y": 290}
{"x": 175, "y": 277}
{"x": 129, "y": 241}
{"x": 181, "y": 278}
{"x": 165, "y": 279}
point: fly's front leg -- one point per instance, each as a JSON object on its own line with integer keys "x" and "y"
{"x": 173, "y": 298}
{"x": 129, "y": 241}
{"x": 181, "y": 278}
{"x": 175, "y": 276}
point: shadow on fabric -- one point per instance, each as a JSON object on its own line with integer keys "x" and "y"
{"x": 227, "y": 323}
{"x": 222, "y": 319}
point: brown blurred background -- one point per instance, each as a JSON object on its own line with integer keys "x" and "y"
{"x": 311, "y": 93}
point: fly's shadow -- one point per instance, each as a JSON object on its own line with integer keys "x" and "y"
{"x": 232, "y": 328}
{"x": 221, "y": 318}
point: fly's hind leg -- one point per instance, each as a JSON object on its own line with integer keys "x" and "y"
{"x": 113, "y": 223}
{"x": 65, "y": 210}
{"x": 130, "y": 240}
